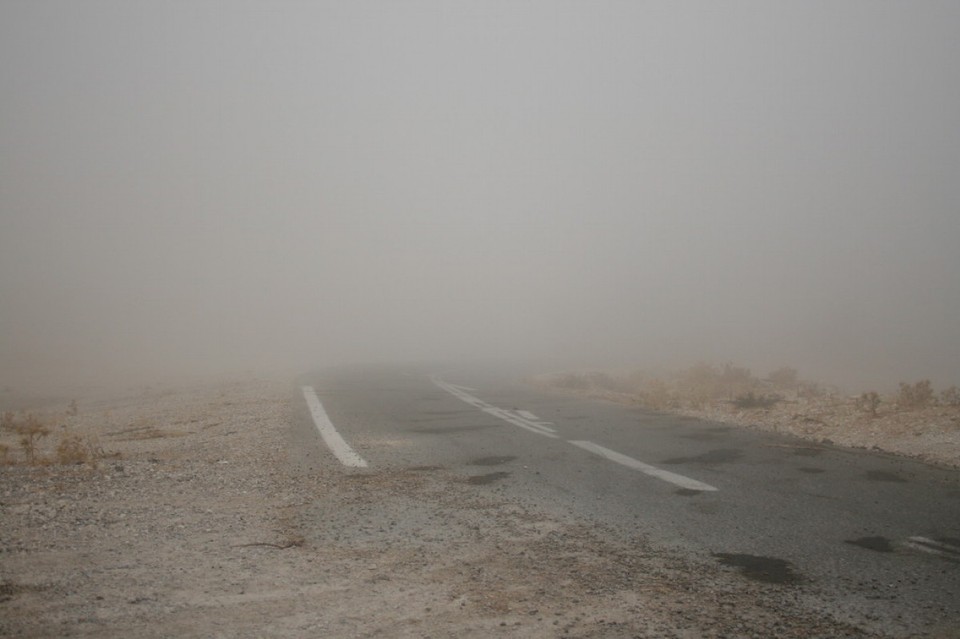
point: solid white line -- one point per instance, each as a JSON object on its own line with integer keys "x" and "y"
{"x": 653, "y": 471}
{"x": 528, "y": 415}
{"x": 330, "y": 436}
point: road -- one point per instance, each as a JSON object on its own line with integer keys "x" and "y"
{"x": 873, "y": 539}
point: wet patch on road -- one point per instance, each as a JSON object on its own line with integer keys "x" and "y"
{"x": 811, "y": 470}
{"x": 489, "y": 478}
{"x": 883, "y": 475}
{"x": 766, "y": 569}
{"x": 492, "y": 461}
{"x": 877, "y": 544}
{"x": 717, "y": 456}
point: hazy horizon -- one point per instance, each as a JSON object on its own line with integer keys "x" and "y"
{"x": 206, "y": 187}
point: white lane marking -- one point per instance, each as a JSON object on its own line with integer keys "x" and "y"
{"x": 528, "y": 415}
{"x": 934, "y": 547}
{"x": 653, "y": 471}
{"x": 340, "y": 448}
{"x": 500, "y": 413}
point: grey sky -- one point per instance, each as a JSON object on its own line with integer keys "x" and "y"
{"x": 200, "y": 186}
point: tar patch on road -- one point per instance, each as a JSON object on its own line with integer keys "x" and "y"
{"x": 492, "y": 461}
{"x": 810, "y": 470}
{"x": 765, "y": 569}
{"x": 882, "y": 475}
{"x": 717, "y": 456}
{"x": 687, "y": 492}
{"x": 489, "y": 478}
{"x": 878, "y": 544}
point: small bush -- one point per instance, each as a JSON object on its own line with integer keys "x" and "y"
{"x": 915, "y": 395}
{"x": 658, "y": 396}
{"x": 735, "y": 381}
{"x": 868, "y": 403}
{"x": 30, "y": 430}
{"x": 785, "y": 378}
{"x": 74, "y": 449}
{"x": 752, "y": 400}
{"x": 950, "y": 396}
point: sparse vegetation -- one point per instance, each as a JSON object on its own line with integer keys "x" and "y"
{"x": 908, "y": 421}
{"x": 915, "y": 395}
{"x": 74, "y": 449}
{"x": 751, "y": 400}
{"x": 29, "y": 430}
{"x": 950, "y": 396}
{"x": 869, "y": 402}
{"x": 784, "y": 378}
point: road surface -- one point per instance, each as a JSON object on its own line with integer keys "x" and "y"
{"x": 874, "y": 539}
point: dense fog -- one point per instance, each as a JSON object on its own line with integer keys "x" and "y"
{"x": 197, "y": 188}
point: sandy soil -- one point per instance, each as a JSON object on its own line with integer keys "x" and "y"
{"x": 202, "y": 520}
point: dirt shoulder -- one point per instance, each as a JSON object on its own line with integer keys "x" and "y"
{"x": 202, "y": 520}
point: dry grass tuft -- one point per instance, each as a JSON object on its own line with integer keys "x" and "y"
{"x": 76, "y": 449}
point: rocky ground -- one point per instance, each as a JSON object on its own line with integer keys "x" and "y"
{"x": 192, "y": 512}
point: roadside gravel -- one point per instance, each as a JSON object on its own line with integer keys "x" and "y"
{"x": 206, "y": 518}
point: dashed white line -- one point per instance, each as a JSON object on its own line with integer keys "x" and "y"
{"x": 336, "y": 443}
{"x": 934, "y": 547}
{"x": 527, "y": 420}
{"x": 653, "y": 471}
{"x": 533, "y": 425}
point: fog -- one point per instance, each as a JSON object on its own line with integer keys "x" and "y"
{"x": 200, "y": 188}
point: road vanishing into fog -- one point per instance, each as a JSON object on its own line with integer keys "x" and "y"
{"x": 873, "y": 537}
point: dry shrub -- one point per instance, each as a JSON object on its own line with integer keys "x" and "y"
{"x": 950, "y": 396}
{"x": 750, "y": 400}
{"x": 75, "y": 449}
{"x": 700, "y": 384}
{"x": 658, "y": 395}
{"x": 915, "y": 395}
{"x": 29, "y": 429}
{"x": 736, "y": 377}
{"x": 868, "y": 402}
{"x": 784, "y": 378}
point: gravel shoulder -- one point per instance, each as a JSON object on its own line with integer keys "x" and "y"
{"x": 209, "y": 516}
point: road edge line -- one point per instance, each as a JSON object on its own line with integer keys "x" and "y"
{"x": 337, "y": 445}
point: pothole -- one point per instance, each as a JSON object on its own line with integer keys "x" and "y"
{"x": 766, "y": 569}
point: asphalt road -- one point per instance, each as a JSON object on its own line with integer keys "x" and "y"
{"x": 873, "y": 538}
